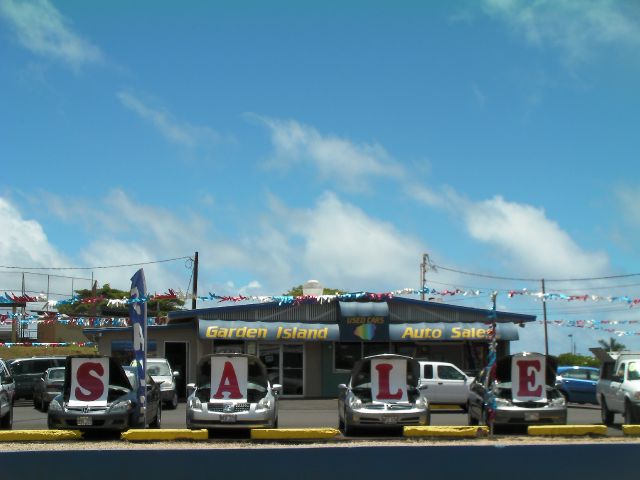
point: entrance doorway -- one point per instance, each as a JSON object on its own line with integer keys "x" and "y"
{"x": 285, "y": 365}
{"x": 178, "y": 355}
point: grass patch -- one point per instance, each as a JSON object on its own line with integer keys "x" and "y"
{"x": 43, "y": 351}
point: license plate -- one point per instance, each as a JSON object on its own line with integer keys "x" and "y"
{"x": 85, "y": 421}
{"x": 389, "y": 419}
{"x": 532, "y": 416}
{"x": 228, "y": 418}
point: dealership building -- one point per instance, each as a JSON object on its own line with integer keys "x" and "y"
{"x": 310, "y": 347}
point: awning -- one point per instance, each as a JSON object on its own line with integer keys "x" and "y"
{"x": 330, "y": 332}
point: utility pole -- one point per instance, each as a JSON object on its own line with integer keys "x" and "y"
{"x": 195, "y": 282}
{"x": 544, "y": 311}
{"x": 423, "y": 273}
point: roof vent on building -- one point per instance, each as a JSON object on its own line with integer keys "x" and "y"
{"x": 312, "y": 287}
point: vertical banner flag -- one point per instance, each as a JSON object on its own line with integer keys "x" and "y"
{"x": 229, "y": 377}
{"x": 389, "y": 380}
{"x": 89, "y": 382}
{"x": 138, "y": 315}
{"x": 528, "y": 377}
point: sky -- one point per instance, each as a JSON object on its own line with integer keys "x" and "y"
{"x": 337, "y": 141}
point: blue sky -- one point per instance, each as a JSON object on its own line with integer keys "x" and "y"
{"x": 329, "y": 140}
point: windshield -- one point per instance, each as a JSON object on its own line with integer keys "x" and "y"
{"x": 632, "y": 371}
{"x": 56, "y": 374}
{"x": 158, "y": 369}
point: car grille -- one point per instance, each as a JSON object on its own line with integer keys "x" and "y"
{"x": 237, "y": 407}
{"x": 87, "y": 409}
{"x": 387, "y": 406}
{"x": 531, "y": 404}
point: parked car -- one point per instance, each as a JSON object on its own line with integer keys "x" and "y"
{"x": 7, "y": 394}
{"x": 47, "y": 387}
{"x": 120, "y": 411}
{"x": 358, "y": 408}
{"x": 618, "y": 390}
{"x": 578, "y": 383}
{"x": 258, "y": 407}
{"x": 445, "y": 383}
{"x": 27, "y": 371}
{"x": 160, "y": 370}
{"x": 552, "y": 410}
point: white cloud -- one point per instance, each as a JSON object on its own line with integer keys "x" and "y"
{"x": 173, "y": 130}
{"x": 629, "y": 198}
{"x": 346, "y": 163}
{"x": 575, "y": 26}
{"x": 44, "y": 31}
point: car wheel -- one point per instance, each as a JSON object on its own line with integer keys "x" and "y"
{"x": 565, "y": 395}
{"x": 45, "y": 406}
{"x": 630, "y": 417}
{"x": 7, "y": 422}
{"x": 275, "y": 423}
{"x": 157, "y": 422}
{"x": 471, "y": 420}
{"x": 36, "y": 403}
{"x": 605, "y": 413}
{"x": 340, "y": 423}
{"x": 173, "y": 404}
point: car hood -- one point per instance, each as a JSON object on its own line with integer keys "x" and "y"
{"x": 162, "y": 378}
{"x": 413, "y": 367}
{"x": 503, "y": 369}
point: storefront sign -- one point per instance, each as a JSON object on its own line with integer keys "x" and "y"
{"x": 528, "y": 377}
{"x": 364, "y": 322}
{"x": 408, "y": 332}
{"x": 229, "y": 377}
{"x": 278, "y": 331}
{"x": 389, "y": 380}
{"x": 89, "y": 381}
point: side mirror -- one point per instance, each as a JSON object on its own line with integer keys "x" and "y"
{"x": 422, "y": 386}
{"x": 191, "y": 387}
{"x": 277, "y": 389}
{"x": 176, "y": 374}
{"x": 342, "y": 387}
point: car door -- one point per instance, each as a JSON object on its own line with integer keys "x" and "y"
{"x": 577, "y": 383}
{"x": 452, "y": 384}
{"x": 428, "y": 379}
{"x": 617, "y": 394}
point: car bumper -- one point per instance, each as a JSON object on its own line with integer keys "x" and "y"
{"x": 529, "y": 416}
{"x": 387, "y": 418}
{"x": 50, "y": 395}
{"x": 249, "y": 419}
{"x": 167, "y": 395}
{"x": 99, "y": 421}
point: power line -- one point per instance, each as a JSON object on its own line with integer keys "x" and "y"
{"x": 98, "y": 267}
{"x": 497, "y": 277}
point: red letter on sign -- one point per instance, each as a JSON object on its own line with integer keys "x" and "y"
{"x": 383, "y": 375}
{"x": 88, "y": 381}
{"x": 528, "y": 378}
{"x": 228, "y": 383}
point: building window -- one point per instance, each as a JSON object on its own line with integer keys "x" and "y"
{"x": 346, "y": 354}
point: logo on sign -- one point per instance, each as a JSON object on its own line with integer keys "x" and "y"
{"x": 89, "y": 381}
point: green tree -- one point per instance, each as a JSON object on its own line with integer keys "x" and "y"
{"x": 297, "y": 291}
{"x": 612, "y": 345}
{"x": 106, "y": 293}
{"x": 582, "y": 360}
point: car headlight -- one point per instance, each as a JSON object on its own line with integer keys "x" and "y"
{"x": 264, "y": 404}
{"x": 121, "y": 406}
{"x": 422, "y": 402}
{"x": 195, "y": 403}
{"x": 354, "y": 402}
{"x": 636, "y": 396}
{"x": 559, "y": 401}
{"x": 55, "y": 406}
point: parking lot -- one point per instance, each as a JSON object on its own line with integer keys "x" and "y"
{"x": 315, "y": 413}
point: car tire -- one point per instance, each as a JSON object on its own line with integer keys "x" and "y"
{"x": 36, "y": 403}
{"x": 173, "y": 403}
{"x": 605, "y": 413}
{"x": 45, "y": 407}
{"x": 471, "y": 420}
{"x": 275, "y": 423}
{"x": 6, "y": 423}
{"x": 630, "y": 415}
{"x": 565, "y": 395}
{"x": 157, "y": 422}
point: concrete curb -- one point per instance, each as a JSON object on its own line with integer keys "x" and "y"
{"x": 39, "y": 435}
{"x": 631, "y": 429}
{"x": 293, "y": 433}
{"x": 442, "y": 406}
{"x": 567, "y": 430}
{"x": 163, "y": 435}
{"x": 446, "y": 431}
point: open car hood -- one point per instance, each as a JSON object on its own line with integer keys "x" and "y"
{"x": 503, "y": 369}
{"x": 413, "y": 367}
{"x": 257, "y": 371}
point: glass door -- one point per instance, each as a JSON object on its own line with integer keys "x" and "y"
{"x": 285, "y": 365}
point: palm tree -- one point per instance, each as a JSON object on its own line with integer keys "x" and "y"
{"x": 612, "y": 345}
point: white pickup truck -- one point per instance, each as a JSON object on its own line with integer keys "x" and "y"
{"x": 618, "y": 389}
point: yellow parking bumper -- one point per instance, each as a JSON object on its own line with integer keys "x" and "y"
{"x": 293, "y": 433}
{"x": 567, "y": 430}
{"x": 39, "y": 435}
{"x": 446, "y": 431}
{"x": 164, "y": 434}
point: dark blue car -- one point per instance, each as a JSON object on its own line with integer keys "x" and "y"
{"x": 578, "y": 384}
